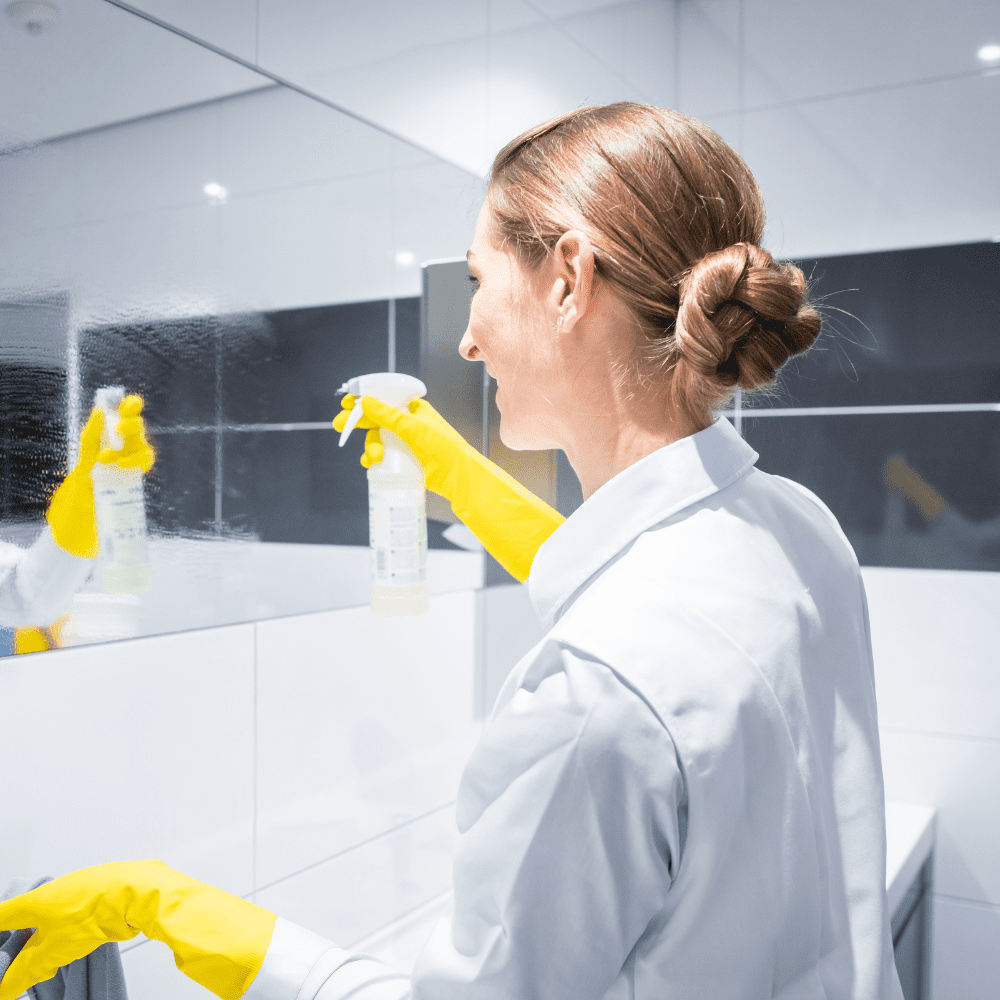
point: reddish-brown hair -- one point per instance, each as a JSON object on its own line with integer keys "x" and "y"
{"x": 675, "y": 217}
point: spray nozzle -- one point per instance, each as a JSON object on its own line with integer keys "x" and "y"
{"x": 107, "y": 400}
{"x": 391, "y": 388}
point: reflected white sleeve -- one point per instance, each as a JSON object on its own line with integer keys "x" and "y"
{"x": 37, "y": 584}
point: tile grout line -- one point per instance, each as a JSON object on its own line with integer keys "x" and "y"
{"x": 400, "y": 923}
{"x": 839, "y": 95}
{"x": 839, "y": 411}
{"x": 962, "y": 737}
{"x": 354, "y": 847}
{"x": 976, "y": 903}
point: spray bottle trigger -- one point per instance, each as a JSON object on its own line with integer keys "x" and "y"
{"x": 352, "y": 421}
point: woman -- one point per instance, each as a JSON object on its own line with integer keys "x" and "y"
{"x": 679, "y": 792}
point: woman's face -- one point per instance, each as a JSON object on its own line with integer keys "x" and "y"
{"x": 511, "y": 328}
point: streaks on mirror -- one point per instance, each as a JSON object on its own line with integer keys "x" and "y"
{"x": 177, "y": 224}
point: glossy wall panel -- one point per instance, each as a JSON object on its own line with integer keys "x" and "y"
{"x": 113, "y": 749}
{"x": 935, "y": 650}
{"x": 901, "y": 327}
{"x": 877, "y": 474}
{"x": 363, "y": 724}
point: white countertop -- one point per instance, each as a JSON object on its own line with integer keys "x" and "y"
{"x": 909, "y": 832}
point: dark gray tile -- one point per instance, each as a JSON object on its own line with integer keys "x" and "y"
{"x": 843, "y": 460}
{"x": 32, "y": 439}
{"x": 171, "y": 363}
{"x": 180, "y": 488}
{"x": 289, "y": 366}
{"x": 295, "y": 486}
{"x": 408, "y": 336}
{"x": 901, "y": 327}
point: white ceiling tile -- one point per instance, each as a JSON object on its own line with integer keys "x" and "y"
{"x": 805, "y": 48}
{"x": 229, "y": 24}
{"x": 634, "y": 41}
{"x": 570, "y": 8}
{"x": 707, "y": 43}
{"x": 307, "y": 38}
{"x": 422, "y": 75}
{"x": 99, "y": 65}
{"x": 539, "y": 73}
{"x": 913, "y": 166}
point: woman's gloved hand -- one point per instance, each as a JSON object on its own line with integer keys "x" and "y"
{"x": 218, "y": 940}
{"x": 71, "y": 515}
{"x": 508, "y": 519}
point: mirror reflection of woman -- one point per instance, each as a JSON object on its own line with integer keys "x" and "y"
{"x": 679, "y": 792}
{"x": 38, "y": 583}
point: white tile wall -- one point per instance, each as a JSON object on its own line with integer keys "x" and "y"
{"x": 351, "y": 896}
{"x": 333, "y": 741}
{"x": 363, "y": 724}
{"x": 936, "y": 655}
{"x": 935, "y": 643}
{"x": 150, "y": 974}
{"x": 965, "y": 960}
{"x": 131, "y": 750}
{"x": 961, "y": 778}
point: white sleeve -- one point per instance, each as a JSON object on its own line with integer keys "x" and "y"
{"x": 568, "y": 816}
{"x": 37, "y": 584}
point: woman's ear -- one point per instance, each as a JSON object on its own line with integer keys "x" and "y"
{"x": 573, "y": 262}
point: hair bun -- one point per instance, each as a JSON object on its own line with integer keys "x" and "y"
{"x": 742, "y": 316}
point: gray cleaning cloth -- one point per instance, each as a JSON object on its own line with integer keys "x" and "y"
{"x": 99, "y": 976}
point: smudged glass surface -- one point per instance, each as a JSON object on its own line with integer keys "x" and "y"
{"x": 233, "y": 251}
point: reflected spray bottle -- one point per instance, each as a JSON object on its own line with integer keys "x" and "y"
{"x": 121, "y": 509}
{"x": 397, "y": 502}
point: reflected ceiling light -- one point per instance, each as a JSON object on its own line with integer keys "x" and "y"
{"x": 989, "y": 53}
{"x": 216, "y": 192}
{"x": 404, "y": 258}
{"x": 32, "y": 15}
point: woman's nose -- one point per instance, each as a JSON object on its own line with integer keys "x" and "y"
{"x": 467, "y": 347}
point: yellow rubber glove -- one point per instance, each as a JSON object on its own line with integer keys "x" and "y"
{"x": 508, "y": 519}
{"x": 71, "y": 514}
{"x": 218, "y": 940}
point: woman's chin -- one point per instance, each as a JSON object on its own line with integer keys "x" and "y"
{"x": 519, "y": 438}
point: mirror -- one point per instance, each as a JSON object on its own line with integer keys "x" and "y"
{"x": 177, "y": 224}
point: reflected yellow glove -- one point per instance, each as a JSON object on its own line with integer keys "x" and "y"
{"x": 71, "y": 514}
{"x": 217, "y": 939}
{"x": 508, "y": 519}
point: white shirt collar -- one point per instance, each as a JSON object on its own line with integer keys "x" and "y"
{"x": 653, "y": 489}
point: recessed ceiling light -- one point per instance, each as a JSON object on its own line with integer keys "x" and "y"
{"x": 33, "y": 16}
{"x": 404, "y": 258}
{"x": 989, "y": 53}
{"x": 216, "y": 192}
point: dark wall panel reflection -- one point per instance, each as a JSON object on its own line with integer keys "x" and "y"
{"x": 212, "y": 387}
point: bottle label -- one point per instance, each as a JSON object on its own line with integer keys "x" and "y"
{"x": 121, "y": 515}
{"x": 397, "y": 524}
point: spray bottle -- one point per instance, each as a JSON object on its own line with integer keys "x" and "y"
{"x": 397, "y": 502}
{"x": 121, "y": 509}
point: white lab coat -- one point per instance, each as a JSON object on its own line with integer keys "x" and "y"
{"x": 37, "y": 584}
{"x": 679, "y": 793}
